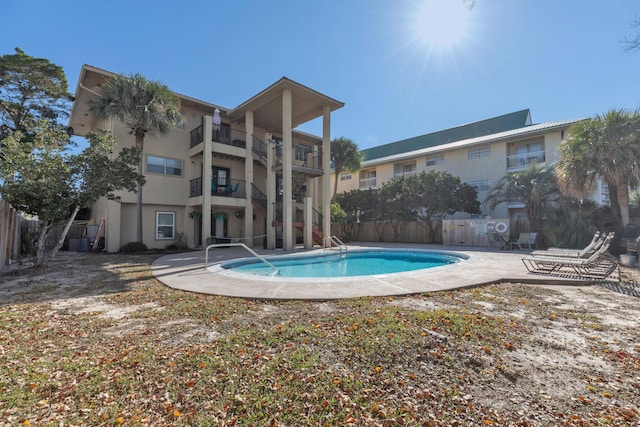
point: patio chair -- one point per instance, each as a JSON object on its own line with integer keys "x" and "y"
{"x": 234, "y": 190}
{"x": 494, "y": 240}
{"x": 599, "y": 266}
{"x": 586, "y": 252}
{"x": 524, "y": 239}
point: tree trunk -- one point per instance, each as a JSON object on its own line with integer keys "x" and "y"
{"x": 42, "y": 237}
{"x": 76, "y": 209}
{"x": 335, "y": 185}
{"x": 614, "y": 203}
{"x": 623, "y": 202}
{"x": 140, "y": 145}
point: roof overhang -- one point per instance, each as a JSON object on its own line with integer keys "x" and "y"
{"x": 307, "y": 104}
{"x": 89, "y": 83}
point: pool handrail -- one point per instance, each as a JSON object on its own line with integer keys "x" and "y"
{"x": 255, "y": 254}
{"x": 334, "y": 239}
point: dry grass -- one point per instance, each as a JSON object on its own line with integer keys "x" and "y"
{"x": 96, "y": 340}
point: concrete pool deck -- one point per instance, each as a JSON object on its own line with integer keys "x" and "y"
{"x": 186, "y": 271}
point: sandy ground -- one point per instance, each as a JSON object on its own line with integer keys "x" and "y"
{"x": 580, "y": 336}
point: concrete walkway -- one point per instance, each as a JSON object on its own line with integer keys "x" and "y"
{"x": 186, "y": 271}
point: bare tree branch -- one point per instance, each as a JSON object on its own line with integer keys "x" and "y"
{"x": 632, "y": 43}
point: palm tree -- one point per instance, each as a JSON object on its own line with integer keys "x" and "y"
{"x": 345, "y": 156}
{"x": 535, "y": 186}
{"x": 606, "y": 147}
{"x": 144, "y": 106}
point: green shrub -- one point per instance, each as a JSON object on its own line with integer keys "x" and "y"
{"x": 133, "y": 247}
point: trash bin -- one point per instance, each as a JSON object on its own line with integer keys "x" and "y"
{"x": 74, "y": 244}
{"x": 628, "y": 260}
{"x": 83, "y": 245}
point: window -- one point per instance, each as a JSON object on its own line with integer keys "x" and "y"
{"x": 165, "y": 225}
{"x": 479, "y": 152}
{"x": 164, "y": 166}
{"x": 484, "y": 185}
{"x": 437, "y": 159}
{"x": 345, "y": 176}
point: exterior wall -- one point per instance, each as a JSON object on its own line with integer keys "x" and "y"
{"x": 457, "y": 161}
{"x": 169, "y": 193}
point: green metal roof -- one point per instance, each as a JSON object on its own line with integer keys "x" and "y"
{"x": 506, "y": 122}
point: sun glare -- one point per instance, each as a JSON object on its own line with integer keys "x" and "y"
{"x": 441, "y": 24}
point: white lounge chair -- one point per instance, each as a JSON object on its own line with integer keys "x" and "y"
{"x": 600, "y": 265}
{"x": 586, "y": 252}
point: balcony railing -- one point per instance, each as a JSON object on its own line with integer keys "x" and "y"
{"x": 195, "y": 187}
{"x": 197, "y": 136}
{"x": 368, "y": 182}
{"x": 228, "y": 136}
{"x": 224, "y": 135}
{"x": 233, "y": 188}
{"x": 405, "y": 173}
{"x": 521, "y": 161}
{"x": 303, "y": 156}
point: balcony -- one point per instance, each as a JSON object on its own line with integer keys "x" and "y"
{"x": 404, "y": 173}
{"x": 225, "y": 135}
{"x": 233, "y": 188}
{"x": 366, "y": 183}
{"x": 520, "y": 162}
{"x": 306, "y": 160}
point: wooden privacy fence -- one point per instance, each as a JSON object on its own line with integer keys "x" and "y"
{"x": 472, "y": 232}
{"x": 408, "y": 232}
{"x": 10, "y": 221}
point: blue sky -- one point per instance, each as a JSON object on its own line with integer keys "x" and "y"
{"x": 403, "y": 67}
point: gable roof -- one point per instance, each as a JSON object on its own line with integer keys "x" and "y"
{"x": 490, "y": 126}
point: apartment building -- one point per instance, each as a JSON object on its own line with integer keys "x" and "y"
{"x": 253, "y": 179}
{"x": 480, "y": 153}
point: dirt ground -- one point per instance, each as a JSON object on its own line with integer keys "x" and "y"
{"x": 582, "y": 343}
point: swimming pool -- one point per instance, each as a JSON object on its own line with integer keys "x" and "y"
{"x": 365, "y": 262}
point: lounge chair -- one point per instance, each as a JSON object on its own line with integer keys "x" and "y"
{"x": 586, "y": 252}
{"x": 524, "y": 239}
{"x": 600, "y": 265}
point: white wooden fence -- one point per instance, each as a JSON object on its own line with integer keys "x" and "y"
{"x": 472, "y": 232}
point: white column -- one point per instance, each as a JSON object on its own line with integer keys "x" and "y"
{"x": 207, "y": 163}
{"x": 326, "y": 166}
{"x": 271, "y": 192}
{"x": 308, "y": 223}
{"x": 288, "y": 236}
{"x": 248, "y": 179}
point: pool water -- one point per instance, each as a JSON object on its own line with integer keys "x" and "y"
{"x": 353, "y": 263}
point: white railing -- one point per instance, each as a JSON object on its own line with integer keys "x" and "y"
{"x": 521, "y": 161}
{"x": 224, "y": 245}
{"x": 368, "y": 182}
{"x": 334, "y": 240}
{"x": 406, "y": 173}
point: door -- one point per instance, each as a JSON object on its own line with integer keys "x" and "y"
{"x": 221, "y": 179}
